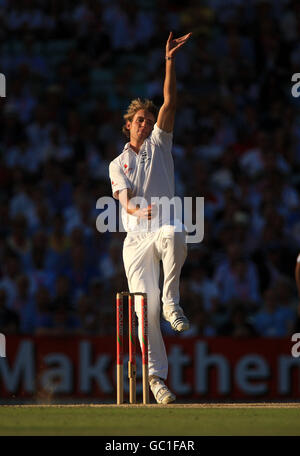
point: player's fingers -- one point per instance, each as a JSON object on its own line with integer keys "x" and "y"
{"x": 179, "y": 46}
{"x": 170, "y": 36}
{"x": 181, "y": 43}
{"x": 184, "y": 37}
{"x": 179, "y": 40}
{"x": 145, "y": 213}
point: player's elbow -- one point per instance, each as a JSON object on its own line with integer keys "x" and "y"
{"x": 169, "y": 105}
{"x": 124, "y": 198}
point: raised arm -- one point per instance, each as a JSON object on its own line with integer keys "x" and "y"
{"x": 166, "y": 115}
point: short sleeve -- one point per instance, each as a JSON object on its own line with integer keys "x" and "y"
{"x": 118, "y": 179}
{"x": 161, "y": 137}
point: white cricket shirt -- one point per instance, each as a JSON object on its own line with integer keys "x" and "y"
{"x": 148, "y": 174}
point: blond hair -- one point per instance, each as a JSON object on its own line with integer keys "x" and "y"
{"x": 134, "y": 107}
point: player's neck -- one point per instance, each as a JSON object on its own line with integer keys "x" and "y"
{"x": 135, "y": 145}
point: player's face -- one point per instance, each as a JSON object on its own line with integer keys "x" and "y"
{"x": 142, "y": 124}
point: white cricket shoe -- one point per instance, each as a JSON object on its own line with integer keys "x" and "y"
{"x": 177, "y": 319}
{"x": 160, "y": 391}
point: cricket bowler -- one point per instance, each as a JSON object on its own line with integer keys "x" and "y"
{"x": 144, "y": 170}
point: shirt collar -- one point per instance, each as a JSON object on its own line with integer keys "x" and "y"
{"x": 128, "y": 148}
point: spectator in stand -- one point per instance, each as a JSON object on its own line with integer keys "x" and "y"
{"x": 238, "y": 325}
{"x": 96, "y": 293}
{"x": 22, "y": 98}
{"x": 34, "y": 61}
{"x": 237, "y": 278}
{"x": 78, "y": 272}
{"x": 42, "y": 319}
{"x": 65, "y": 322}
{"x": 37, "y": 264}
{"x": 9, "y": 320}
{"x": 88, "y": 315}
{"x": 23, "y": 155}
{"x": 286, "y": 301}
{"x": 18, "y": 241}
{"x": 256, "y": 161}
{"x": 202, "y": 285}
{"x": 59, "y": 244}
{"x": 11, "y": 128}
{"x": 109, "y": 264}
{"x": 269, "y": 321}
{"x": 297, "y": 278}
{"x": 107, "y": 322}
{"x": 127, "y": 25}
{"x": 62, "y": 298}
{"x": 202, "y": 324}
{"x": 57, "y": 148}
{"x": 11, "y": 270}
{"x": 57, "y": 187}
{"x": 22, "y": 202}
{"x": 285, "y": 291}
{"x": 38, "y": 131}
{"x": 24, "y": 305}
{"x": 82, "y": 218}
{"x": 44, "y": 215}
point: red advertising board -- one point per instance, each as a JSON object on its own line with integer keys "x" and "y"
{"x": 199, "y": 368}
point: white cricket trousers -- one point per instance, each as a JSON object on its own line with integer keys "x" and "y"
{"x": 142, "y": 253}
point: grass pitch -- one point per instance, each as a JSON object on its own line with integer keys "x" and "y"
{"x": 197, "y": 420}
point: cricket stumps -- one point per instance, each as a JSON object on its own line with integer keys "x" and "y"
{"x": 132, "y": 346}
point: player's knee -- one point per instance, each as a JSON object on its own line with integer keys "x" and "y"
{"x": 175, "y": 239}
{"x": 153, "y": 316}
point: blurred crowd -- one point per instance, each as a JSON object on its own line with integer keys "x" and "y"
{"x": 72, "y": 67}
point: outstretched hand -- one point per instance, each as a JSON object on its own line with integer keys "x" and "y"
{"x": 173, "y": 45}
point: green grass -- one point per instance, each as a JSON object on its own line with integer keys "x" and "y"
{"x": 116, "y": 421}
